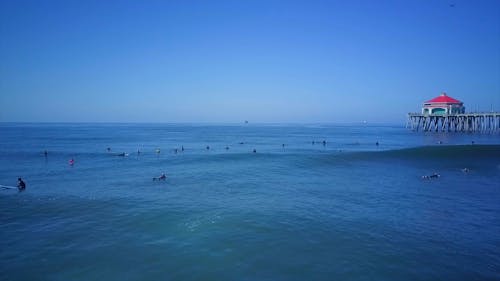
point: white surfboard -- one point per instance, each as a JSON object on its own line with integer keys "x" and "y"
{"x": 8, "y": 187}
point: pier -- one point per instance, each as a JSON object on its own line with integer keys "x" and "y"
{"x": 463, "y": 122}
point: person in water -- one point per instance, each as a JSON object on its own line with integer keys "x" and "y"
{"x": 20, "y": 184}
{"x": 433, "y": 176}
{"x": 71, "y": 162}
{"x": 160, "y": 178}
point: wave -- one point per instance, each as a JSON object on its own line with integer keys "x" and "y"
{"x": 431, "y": 153}
{"x": 299, "y": 157}
{"x": 447, "y": 151}
{"x": 422, "y": 152}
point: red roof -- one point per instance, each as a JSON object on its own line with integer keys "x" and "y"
{"x": 443, "y": 98}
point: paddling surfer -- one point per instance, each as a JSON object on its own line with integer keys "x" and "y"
{"x": 433, "y": 176}
{"x": 161, "y": 178}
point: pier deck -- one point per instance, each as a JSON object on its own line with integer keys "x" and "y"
{"x": 467, "y": 122}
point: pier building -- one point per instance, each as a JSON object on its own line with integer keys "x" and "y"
{"x": 443, "y": 105}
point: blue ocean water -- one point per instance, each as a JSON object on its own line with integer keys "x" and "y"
{"x": 344, "y": 210}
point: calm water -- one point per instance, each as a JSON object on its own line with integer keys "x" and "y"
{"x": 347, "y": 210}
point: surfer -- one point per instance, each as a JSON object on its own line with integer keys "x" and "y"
{"x": 376, "y": 143}
{"x": 254, "y": 150}
{"x": 108, "y": 149}
{"x": 182, "y": 148}
{"x": 227, "y": 147}
{"x": 45, "y": 153}
{"x": 160, "y": 178}
{"x": 324, "y": 142}
{"x": 20, "y": 184}
{"x": 433, "y": 176}
{"x": 208, "y": 147}
{"x": 71, "y": 161}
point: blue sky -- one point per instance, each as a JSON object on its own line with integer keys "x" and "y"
{"x": 229, "y": 61}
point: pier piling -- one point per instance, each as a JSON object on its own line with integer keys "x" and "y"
{"x": 465, "y": 122}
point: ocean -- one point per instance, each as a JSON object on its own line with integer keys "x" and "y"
{"x": 297, "y": 208}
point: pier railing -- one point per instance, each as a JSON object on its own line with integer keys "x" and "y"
{"x": 463, "y": 122}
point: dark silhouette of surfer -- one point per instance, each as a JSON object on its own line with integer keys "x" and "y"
{"x": 162, "y": 177}
{"x": 21, "y": 184}
{"x": 433, "y": 176}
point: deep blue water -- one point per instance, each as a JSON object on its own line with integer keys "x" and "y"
{"x": 347, "y": 210}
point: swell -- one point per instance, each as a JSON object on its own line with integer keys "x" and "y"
{"x": 424, "y": 154}
{"x": 441, "y": 152}
{"x": 299, "y": 158}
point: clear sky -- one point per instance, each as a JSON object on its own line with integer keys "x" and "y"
{"x": 230, "y": 61}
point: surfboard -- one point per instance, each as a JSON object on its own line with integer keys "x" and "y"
{"x": 8, "y": 187}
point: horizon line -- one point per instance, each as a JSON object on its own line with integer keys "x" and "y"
{"x": 201, "y": 123}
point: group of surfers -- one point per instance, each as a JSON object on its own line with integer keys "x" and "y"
{"x": 21, "y": 185}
